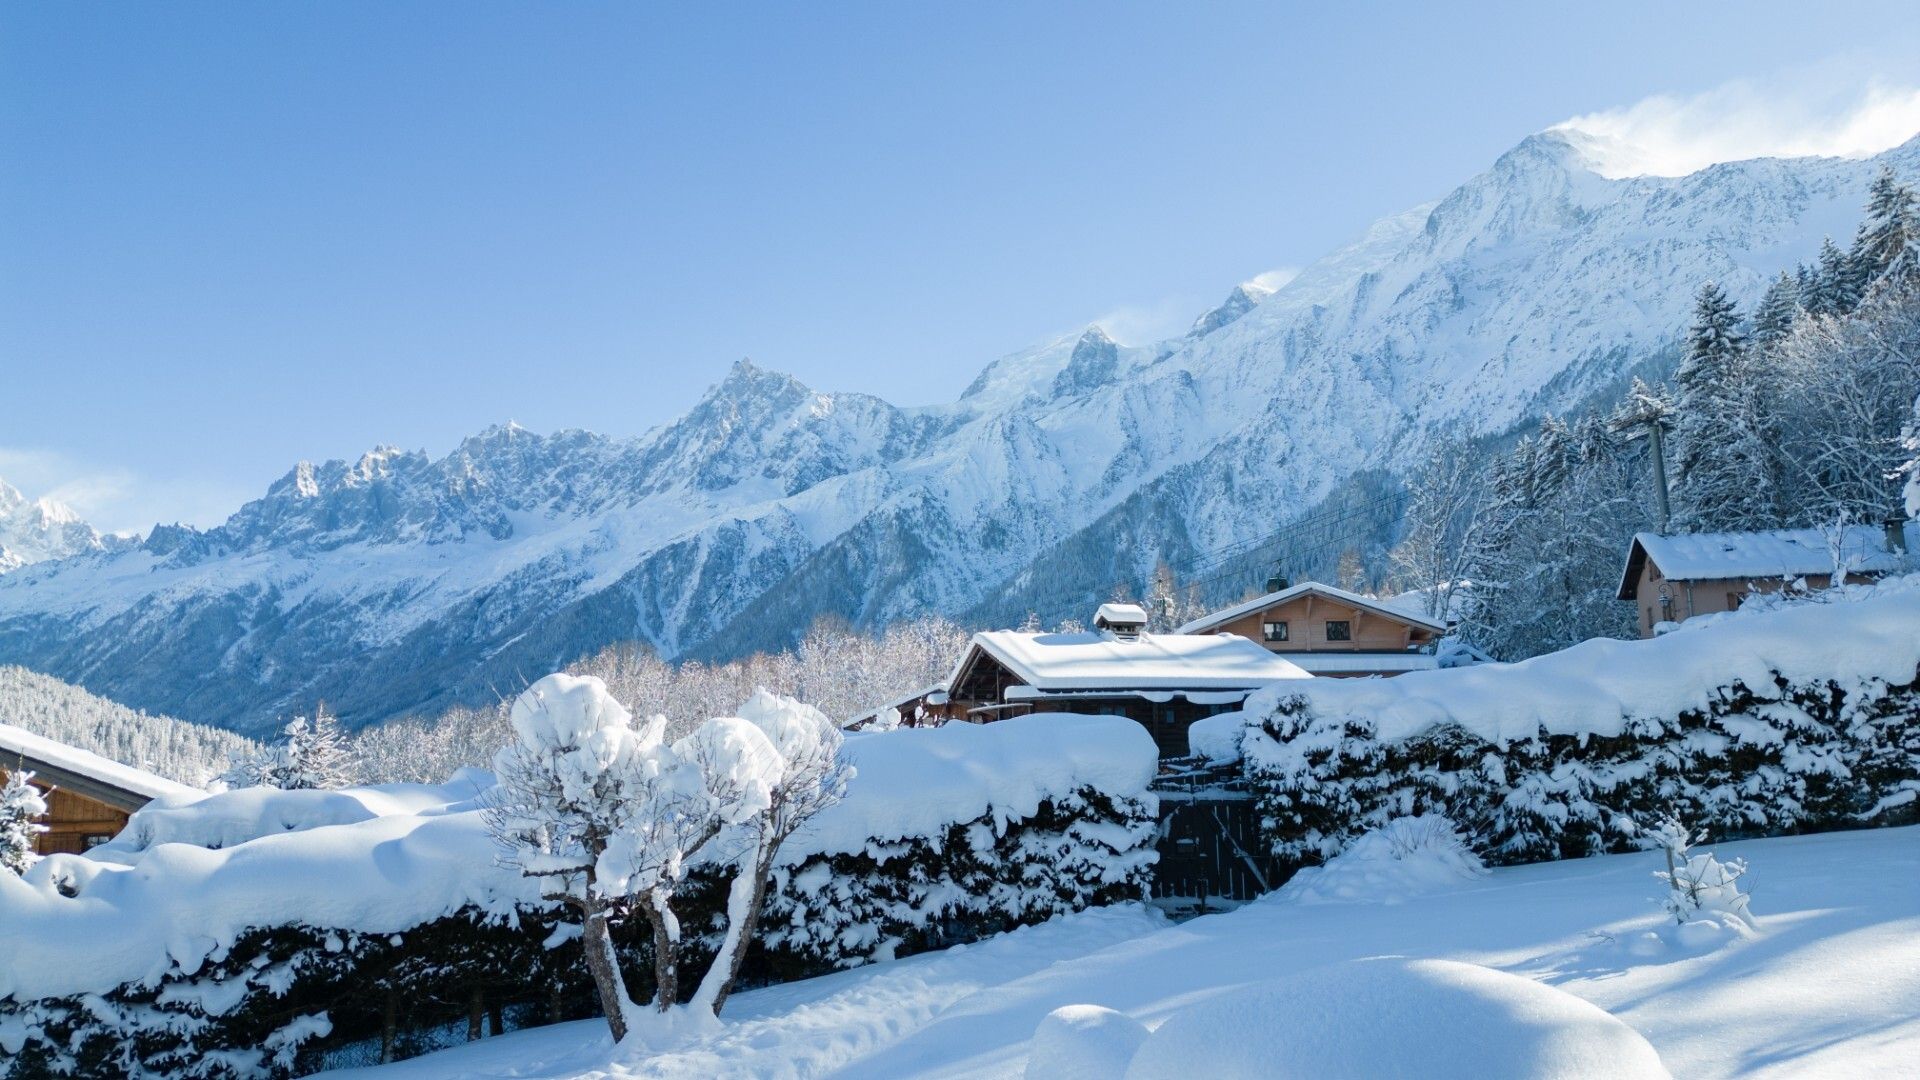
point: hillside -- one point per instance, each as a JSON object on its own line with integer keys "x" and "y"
{"x": 401, "y": 583}
{"x": 176, "y": 749}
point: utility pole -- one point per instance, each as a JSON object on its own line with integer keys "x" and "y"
{"x": 1649, "y": 410}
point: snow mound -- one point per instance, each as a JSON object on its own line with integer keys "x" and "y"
{"x": 1396, "y": 1017}
{"x": 1084, "y": 1042}
{"x": 1406, "y": 857}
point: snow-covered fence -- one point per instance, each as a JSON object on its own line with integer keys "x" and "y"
{"x": 1794, "y": 719}
{"x": 251, "y": 933}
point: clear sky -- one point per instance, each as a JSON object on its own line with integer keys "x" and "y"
{"x": 233, "y": 236}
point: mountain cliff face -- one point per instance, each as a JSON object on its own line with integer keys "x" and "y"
{"x": 399, "y": 583}
{"x": 35, "y": 530}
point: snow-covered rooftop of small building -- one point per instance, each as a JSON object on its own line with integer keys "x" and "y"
{"x": 1774, "y": 553}
{"x": 18, "y": 743}
{"x": 1402, "y": 613}
{"x": 1343, "y": 663}
{"x": 1120, "y": 615}
{"x": 1095, "y": 660}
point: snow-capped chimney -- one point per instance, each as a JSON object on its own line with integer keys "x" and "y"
{"x": 1124, "y": 621}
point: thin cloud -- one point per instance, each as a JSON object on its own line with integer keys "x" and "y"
{"x": 1273, "y": 280}
{"x": 116, "y": 499}
{"x": 1670, "y": 135}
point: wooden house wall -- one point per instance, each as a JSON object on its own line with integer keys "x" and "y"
{"x": 1306, "y": 617}
{"x": 73, "y": 820}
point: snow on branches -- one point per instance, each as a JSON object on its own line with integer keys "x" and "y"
{"x": 610, "y": 816}
{"x": 21, "y": 807}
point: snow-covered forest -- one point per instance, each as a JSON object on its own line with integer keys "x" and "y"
{"x": 1801, "y": 413}
{"x": 191, "y": 753}
{"x": 840, "y": 671}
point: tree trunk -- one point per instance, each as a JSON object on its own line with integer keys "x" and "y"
{"x": 496, "y": 1018}
{"x": 597, "y": 942}
{"x": 749, "y": 925}
{"x": 475, "y": 1010}
{"x": 666, "y": 959}
{"x": 389, "y": 1024}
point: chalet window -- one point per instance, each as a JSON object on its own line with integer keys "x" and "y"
{"x": 94, "y": 840}
{"x": 1339, "y": 630}
{"x": 1275, "y": 631}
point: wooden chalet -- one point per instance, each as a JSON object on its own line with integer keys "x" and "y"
{"x": 1671, "y": 579}
{"x": 1332, "y": 632}
{"x": 89, "y": 798}
{"x": 1164, "y": 681}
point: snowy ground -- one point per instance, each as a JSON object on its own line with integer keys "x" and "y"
{"x": 1829, "y": 986}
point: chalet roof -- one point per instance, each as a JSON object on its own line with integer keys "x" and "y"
{"x": 1773, "y": 553}
{"x": 86, "y": 773}
{"x": 1346, "y": 663}
{"x": 1094, "y": 660}
{"x": 1272, "y": 599}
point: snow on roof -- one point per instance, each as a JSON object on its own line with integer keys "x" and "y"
{"x": 1774, "y": 553}
{"x": 1260, "y": 603}
{"x": 1092, "y": 660}
{"x": 1120, "y": 615}
{"x": 19, "y": 743}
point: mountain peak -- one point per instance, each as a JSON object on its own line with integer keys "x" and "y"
{"x": 1238, "y": 302}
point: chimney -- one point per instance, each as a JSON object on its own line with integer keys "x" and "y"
{"x": 1896, "y": 529}
{"x": 1277, "y": 582}
{"x": 1123, "y": 621}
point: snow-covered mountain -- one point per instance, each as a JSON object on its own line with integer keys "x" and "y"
{"x": 400, "y": 583}
{"x": 36, "y": 530}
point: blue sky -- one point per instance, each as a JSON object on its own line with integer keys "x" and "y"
{"x": 236, "y": 236}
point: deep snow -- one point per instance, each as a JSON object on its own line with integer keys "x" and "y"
{"x": 1829, "y": 984}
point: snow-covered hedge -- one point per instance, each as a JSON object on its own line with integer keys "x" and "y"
{"x": 1790, "y": 719}
{"x": 242, "y": 934}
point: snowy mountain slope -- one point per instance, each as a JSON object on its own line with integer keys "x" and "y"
{"x": 36, "y": 530}
{"x": 399, "y": 583}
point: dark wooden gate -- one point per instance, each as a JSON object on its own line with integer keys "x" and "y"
{"x": 1211, "y": 856}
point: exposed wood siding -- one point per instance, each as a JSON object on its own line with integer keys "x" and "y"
{"x": 72, "y": 819}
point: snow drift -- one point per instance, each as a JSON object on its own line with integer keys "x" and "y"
{"x": 1396, "y": 1017}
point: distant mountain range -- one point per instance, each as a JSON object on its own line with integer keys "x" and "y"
{"x": 36, "y": 530}
{"x": 398, "y": 583}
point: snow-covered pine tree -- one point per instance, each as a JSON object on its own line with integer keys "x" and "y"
{"x": 21, "y": 808}
{"x": 1773, "y": 319}
{"x": 1910, "y": 438}
{"x": 1892, "y": 224}
{"x": 1724, "y": 462}
{"x": 1835, "y": 282}
{"x": 311, "y": 755}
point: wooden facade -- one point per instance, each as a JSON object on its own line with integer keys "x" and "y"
{"x": 1670, "y": 578}
{"x": 83, "y": 809}
{"x": 1330, "y": 632}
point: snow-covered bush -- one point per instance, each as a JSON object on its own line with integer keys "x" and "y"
{"x": 1404, "y": 858}
{"x": 358, "y": 917}
{"x": 21, "y": 809}
{"x": 1699, "y": 886}
{"x": 1798, "y": 718}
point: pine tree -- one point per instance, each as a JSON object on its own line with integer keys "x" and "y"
{"x": 1835, "y": 283}
{"x": 1892, "y": 224}
{"x": 1723, "y": 460}
{"x": 1773, "y": 319}
{"x": 21, "y": 807}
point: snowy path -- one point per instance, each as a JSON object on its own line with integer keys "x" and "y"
{"x": 1830, "y": 985}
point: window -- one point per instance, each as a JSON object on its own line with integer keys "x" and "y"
{"x": 1339, "y": 630}
{"x": 1275, "y": 631}
{"x": 94, "y": 840}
